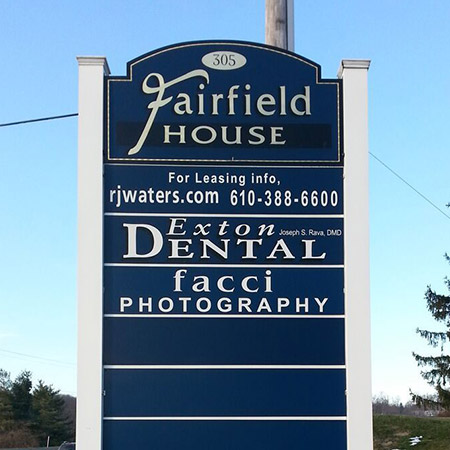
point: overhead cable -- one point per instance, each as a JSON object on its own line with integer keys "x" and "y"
{"x": 48, "y": 360}
{"x": 410, "y": 186}
{"x": 64, "y": 116}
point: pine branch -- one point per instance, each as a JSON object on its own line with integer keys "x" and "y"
{"x": 425, "y": 402}
{"x": 434, "y": 338}
{"x": 442, "y": 361}
{"x": 439, "y": 369}
{"x": 438, "y": 305}
{"x": 435, "y": 376}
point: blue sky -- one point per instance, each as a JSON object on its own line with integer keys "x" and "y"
{"x": 409, "y": 93}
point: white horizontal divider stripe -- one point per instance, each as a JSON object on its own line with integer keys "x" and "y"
{"x": 226, "y": 316}
{"x": 226, "y": 164}
{"x": 235, "y": 266}
{"x": 280, "y": 418}
{"x": 258, "y": 216}
{"x": 221, "y": 367}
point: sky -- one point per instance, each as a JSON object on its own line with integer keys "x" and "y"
{"x": 409, "y": 103}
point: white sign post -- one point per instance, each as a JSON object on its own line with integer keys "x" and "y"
{"x": 90, "y": 251}
{"x": 356, "y": 224}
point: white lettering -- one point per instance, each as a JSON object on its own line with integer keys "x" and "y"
{"x": 132, "y": 240}
{"x": 306, "y": 101}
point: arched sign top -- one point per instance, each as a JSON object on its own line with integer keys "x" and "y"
{"x": 223, "y": 102}
{"x": 217, "y": 44}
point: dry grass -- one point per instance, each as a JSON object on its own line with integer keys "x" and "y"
{"x": 394, "y": 432}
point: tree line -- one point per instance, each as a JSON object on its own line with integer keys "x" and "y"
{"x": 29, "y": 416}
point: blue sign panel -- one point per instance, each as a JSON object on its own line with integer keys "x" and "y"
{"x": 220, "y": 102}
{"x": 224, "y": 317}
{"x": 165, "y": 189}
{"x": 225, "y": 434}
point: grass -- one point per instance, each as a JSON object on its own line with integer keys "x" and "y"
{"x": 393, "y": 432}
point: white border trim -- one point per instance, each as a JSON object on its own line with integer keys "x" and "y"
{"x": 225, "y": 316}
{"x": 234, "y": 418}
{"x": 257, "y": 216}
{"x": 236, "y": 266}
{"x": 356, "y": 251}
{"x": 90, "y": 251}
{"x": 222, "y": 367}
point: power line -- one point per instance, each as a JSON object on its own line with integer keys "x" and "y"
{"x": 48, "y": 360}
{"x": 65, "y": 116}
{"x": 410, "y": 186}
{"x": 41, "y": 119}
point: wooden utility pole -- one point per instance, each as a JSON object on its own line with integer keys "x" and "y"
{"x": 280, "y": 24}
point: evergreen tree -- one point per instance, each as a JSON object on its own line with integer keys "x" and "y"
{"x": 48, "y": 415}
{"x": 5, "y": 380}
{"x": 21, "y": 396}
{"x": 6, "y": 408}
{"x": 436, "y": 368}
